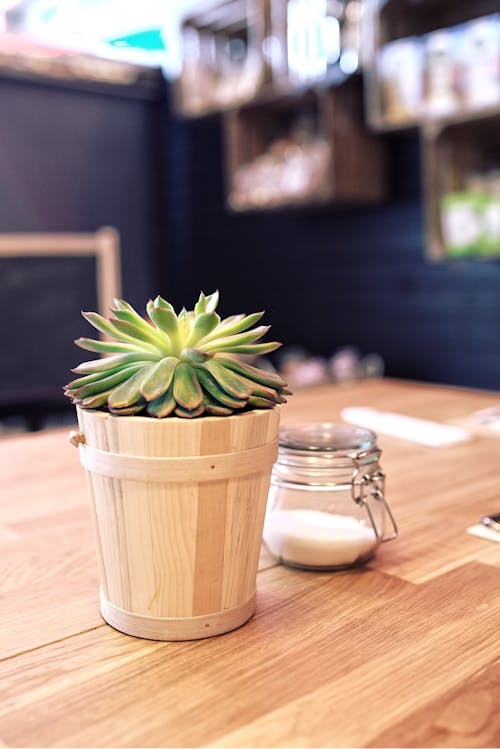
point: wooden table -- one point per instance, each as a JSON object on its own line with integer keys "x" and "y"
{"x": 403, "y": 652}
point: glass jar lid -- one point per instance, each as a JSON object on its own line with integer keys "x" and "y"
{"x": 326, "y": 437}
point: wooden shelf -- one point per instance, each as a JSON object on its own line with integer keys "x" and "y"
{"x": 332, "y": 159}
{"x": 403, "y": 18}
{"x": 433, "y": 125}
{"x": 453, "y": 154}
{"x": 409, "y": 21}
{"x": 223, "y": 65}
{"x": 211, "y": 82}
{"x": 459, "y": 131}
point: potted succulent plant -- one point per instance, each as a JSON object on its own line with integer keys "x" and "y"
{"x": 177, "y": 435}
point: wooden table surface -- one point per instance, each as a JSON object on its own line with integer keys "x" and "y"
{"x": 402, "y": 652}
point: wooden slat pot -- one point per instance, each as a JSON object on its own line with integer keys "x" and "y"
{"x": 178, "y": 508}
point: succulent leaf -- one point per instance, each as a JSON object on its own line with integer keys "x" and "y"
{"x": 141, "y": 328}
{"x": 258, "y": 349}
{"x": 159, "y": 378}
{"x": 201, "y": 305}
{"x": 228, "y": 343}
{"x": 122, "y": 304}
{"x": 105, "y": 383}
{"x": 212, "y": 301}
{"x": 161, "y": 302}
{"x": 203, "y": 325}
{"x": 215, "y": 408}
{"x": 130, "y": 410}
{"x": 261, "y": 376}
{"x": 128, "y": 393}
{"x": 96, "y": 401}
{"x": 232, "y": 382}
{"x": 186, "y": 364}
{"x": 107, "y": 327}
{"x": 110, "y": 362}
{"x": 184, "y": 320}
{"x": 107, "y": 346}
{"x": 86, "y": 379}
{"x": 187, "y": 389}
{"x": 232, "y": 325}
{"x": 187, "y": 414}
{"x": 166, "y": 320}
{"x": 164, "y": 405}
{"x": 159, "y": 343}
{"x": 255, "y": 402}
{"x": 214, "y": 389}
{"x": 194, "y": 356}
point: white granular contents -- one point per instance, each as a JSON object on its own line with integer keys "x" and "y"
{"x": 317, "y": 539}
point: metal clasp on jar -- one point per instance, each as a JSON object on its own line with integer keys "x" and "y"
{"x": 366, "y": 486}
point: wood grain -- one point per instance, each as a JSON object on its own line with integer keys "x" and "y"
{"x": 178, "y": 521}
{"x": 400, "y": 653}
{"x": 470, "y": 711}
{"x": 104, "y": 244}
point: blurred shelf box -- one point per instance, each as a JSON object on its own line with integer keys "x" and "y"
{"x": 481, "y": 71}
{"x": 400, "y": 69}
{"x": 307, "y": 150}
{"x": 314, "y": 41}
{"x": 462, "y": 188}
{"x": 448, "y": 72}
{"x": 425, "y": 66}
{"x": 435, "y": 65}
{"x": 470, "y": 218}
{"x": 239, "y": 51}
{"x": 223, "y": 65}
{"x": 280, "y": 155}
{"x": 284, "y": 73}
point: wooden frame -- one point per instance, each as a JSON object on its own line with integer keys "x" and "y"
{"x": 390, "y": 20}
{"x": 195, "y": 92}
{"x": 454, "y": 144}
{"x": 356, "y": 169}
{"x": 452, "y": 152}
{"x": 104, "y": 244}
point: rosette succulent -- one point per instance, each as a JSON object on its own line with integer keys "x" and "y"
{"x": 185, "y": 365}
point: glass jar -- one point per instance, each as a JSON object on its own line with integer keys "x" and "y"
{"x": 327, "y": 508}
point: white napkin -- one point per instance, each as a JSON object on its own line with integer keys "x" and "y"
{"x": 423, "y": 431}
{"x": 483, "y": 532}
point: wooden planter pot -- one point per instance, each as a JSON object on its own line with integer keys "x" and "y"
{"x": 178, "y": 508}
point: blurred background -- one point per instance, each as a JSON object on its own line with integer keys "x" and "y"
{"x": 334, "y": 162}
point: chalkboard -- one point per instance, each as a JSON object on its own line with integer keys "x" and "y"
{"x": 40, "y": 303}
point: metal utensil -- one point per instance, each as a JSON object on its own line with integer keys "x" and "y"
{"x": 492, "y": 522}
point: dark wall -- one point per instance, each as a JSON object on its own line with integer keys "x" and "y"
{"x": 358, "y": 277}
{"x": 74, "y": 159}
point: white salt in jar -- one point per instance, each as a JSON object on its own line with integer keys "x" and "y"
{"x": 327, "y": 508}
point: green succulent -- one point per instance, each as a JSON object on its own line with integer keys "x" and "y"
{"x": 185, "y": 365}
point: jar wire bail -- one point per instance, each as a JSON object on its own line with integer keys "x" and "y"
{"x": 366, "y": 485}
